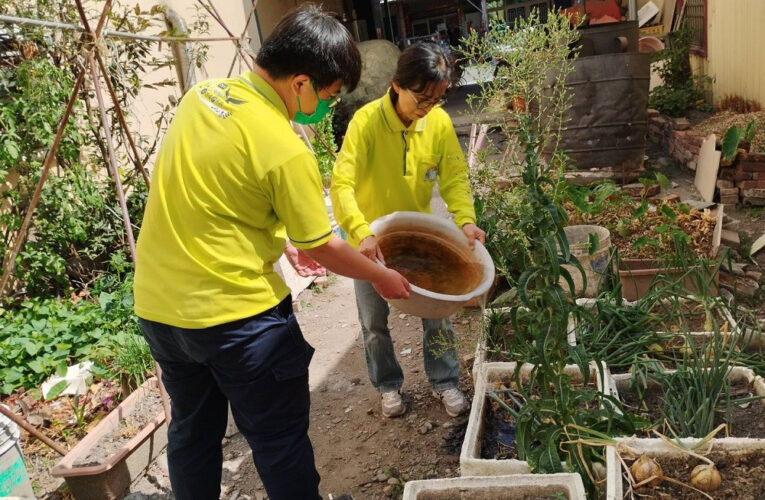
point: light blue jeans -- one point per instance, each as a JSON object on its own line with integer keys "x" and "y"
{"x": 439, "y": 351}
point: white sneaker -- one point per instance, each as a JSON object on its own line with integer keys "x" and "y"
{"x": 392, "y": 404}
{"x": 454, "y": 401}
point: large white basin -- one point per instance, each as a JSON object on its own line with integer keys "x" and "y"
{"x": 433, "y": 253}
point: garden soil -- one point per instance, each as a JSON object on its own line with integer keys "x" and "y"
{"x": 357, "y": 450}
{"x": 741, "y": 477}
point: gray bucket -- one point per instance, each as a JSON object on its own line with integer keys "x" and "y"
{"x": 595, "y": 265}
{"x": 14, "y": 480}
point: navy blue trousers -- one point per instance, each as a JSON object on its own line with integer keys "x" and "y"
{"x": 260, "y": 366}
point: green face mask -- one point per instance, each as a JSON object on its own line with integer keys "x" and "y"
{"x": 322, "y": 108}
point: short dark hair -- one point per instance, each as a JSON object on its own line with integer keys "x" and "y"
{"x": 312, "y": 42}
{"x": 422, "y": 64}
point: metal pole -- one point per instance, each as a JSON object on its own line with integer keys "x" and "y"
{"x": 484, "y": 15}
{"x": 111, "y": 33}
{"x": 632, "y": 10}
{"x": 122, "y": 120}
{"x": 112, "y": 158}
{"x": 390, "y": 21}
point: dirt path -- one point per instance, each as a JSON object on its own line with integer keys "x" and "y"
{"x": 357, "y": 450}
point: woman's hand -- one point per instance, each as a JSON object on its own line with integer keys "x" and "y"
{"x": 473, "y": 232}
{"x": 371, "y": 250}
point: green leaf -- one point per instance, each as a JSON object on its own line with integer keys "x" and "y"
{"x": 36, "y": 365}
{"x": 56, "y": 390}
{"x": 593, "y": 240}
{"x": 750, "y": 131}
{"x": 662, "y": 180}
{"x": 667, "y": 211}
{"x": 641, "y": 210}
{"x": 730, "y": 142}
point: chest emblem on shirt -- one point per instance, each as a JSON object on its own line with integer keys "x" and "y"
{"x": 431, "y": 174}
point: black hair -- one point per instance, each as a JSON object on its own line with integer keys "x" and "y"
{"x": 312, "y": 42}
{"x": 422, "y": 64}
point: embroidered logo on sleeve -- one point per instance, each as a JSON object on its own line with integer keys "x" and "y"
{"x": 431, "y": 174}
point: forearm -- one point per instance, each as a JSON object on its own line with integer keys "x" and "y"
{"x": 339, "y": 257}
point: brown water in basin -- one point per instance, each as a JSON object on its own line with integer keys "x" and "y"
{"x": 430, "y": 262}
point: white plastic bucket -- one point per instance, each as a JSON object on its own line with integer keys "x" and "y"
{"x": 14, "y": 480}
{"x": 595, "y": 265}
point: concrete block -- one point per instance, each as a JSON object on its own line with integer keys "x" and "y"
{"x": 681, "y": 124}
{"x": 730, "y": 238}
{"x": 753, "y": 196}
{"x": 514, "y": 486}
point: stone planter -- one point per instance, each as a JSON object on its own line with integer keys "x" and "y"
{"x": 515, "y": 487}
{"x": 736, "y": 374}
{"x": 638, "y": 275}
{"x": 471, "y": 463}
{"x": 657, "y": 448}
{"x": 112, "y": 477}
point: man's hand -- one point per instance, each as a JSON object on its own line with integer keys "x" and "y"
{"x": 473, "y": 232}
{"x": 370, "y": 249}
{"x": 302, "y": 263}
{"x": 392, "y": 285}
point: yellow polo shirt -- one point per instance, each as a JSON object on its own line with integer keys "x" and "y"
{"x": 383, "y": 167}
{"x": 230, "y": 182}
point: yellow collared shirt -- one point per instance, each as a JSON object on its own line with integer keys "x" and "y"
{"x": 230, "y": 182}
{"x": 383, "y": 167}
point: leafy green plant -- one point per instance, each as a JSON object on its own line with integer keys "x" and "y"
{"x": 525, "y": 230}
{"x": 681, "y": 90}
{"x": 324, "y": 147}
{"x": 44, "y": 336}
{"x": 735, "y": 135}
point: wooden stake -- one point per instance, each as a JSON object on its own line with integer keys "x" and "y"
{"x": 32, "y": 430}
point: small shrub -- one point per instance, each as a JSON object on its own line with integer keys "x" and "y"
{"x": 681, "y": 90}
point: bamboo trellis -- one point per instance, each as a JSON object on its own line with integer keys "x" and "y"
{"x": 93, "y": 63}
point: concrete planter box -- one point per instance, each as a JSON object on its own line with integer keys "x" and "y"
{"x": 515, "y": 487}
{"x": 656, "y": 448}
{"x": 111, "y": 478}
{"x": 638, "y": 275}
{"x": 471, "y": 463}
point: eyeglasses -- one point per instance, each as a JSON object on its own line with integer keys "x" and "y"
{"x": 428, "y": 103}
{"x": 334, "y": 100}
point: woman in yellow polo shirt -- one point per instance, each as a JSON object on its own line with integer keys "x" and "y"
{"x": 394, "y": 150}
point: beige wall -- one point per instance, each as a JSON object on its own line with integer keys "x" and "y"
{"x": 736, "y": 37}
{"x": 220, "y": 54}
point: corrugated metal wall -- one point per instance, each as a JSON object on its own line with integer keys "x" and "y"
{"x": 735, "y": 41}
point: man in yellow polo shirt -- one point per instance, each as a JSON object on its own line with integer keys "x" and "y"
{"x": 231, "y": 182}
{"x": 394, "y": 150}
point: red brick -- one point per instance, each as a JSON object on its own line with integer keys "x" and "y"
{"x": 758, "y": 176}
{"x": 728, "y": 191}
{"x": 753, "y": 157}
{"x": 724, "y": 184}
{"x": 750, "y": 166}
{"x": 734, "y": 174}
{"x": 751, "y": 184}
